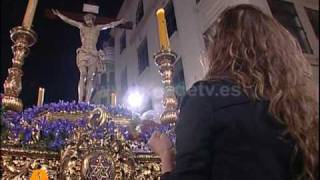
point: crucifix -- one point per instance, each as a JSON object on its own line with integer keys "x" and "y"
{"x": 87, "y": 55}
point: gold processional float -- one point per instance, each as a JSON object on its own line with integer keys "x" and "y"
{"x": 70, "y": 140}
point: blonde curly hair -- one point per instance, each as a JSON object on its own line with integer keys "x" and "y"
{"x": 259, "y": 54}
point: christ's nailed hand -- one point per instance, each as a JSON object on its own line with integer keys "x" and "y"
{"x": 55, "y": 12}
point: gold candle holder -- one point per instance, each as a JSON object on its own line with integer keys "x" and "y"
{"x": 22, "y": 38}
{"x": 165, "y": 60}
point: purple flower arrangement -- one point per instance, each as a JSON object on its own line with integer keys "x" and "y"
{"x": 28, "y": 130}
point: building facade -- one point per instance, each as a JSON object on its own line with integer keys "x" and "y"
{"x": 188, "y": 21}
{"x": 105, "y": 80}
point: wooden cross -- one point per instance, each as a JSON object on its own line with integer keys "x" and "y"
{"x": 79, "y": 17}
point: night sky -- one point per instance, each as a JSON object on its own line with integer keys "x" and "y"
{"x": 52, "y": 62}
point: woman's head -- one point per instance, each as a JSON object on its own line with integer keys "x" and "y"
{"x": 253, "y": 50}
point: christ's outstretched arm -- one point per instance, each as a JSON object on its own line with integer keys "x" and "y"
{"x": 111, "y": 25}
{"x": 66, "y": 19}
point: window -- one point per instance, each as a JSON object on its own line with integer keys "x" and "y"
{"x": 108, "y": 43}
{"x": 314, "y": 19}
{"x": 286, "y": 14}
{"x": 104, "y": 101}
{"x": 123, "y": 41}
{"x": 112, "y": 80}
{"x": 178, "y": 80}
{"x": 104, "y": 79}
{"x": 124, "y": 80}
{"x": 140, "y": 12}
{"x": 111, "y": 67}
{"x": 171, "y": 18}
{"x": 143, "y": 56}
{"x": 111, "y": 42}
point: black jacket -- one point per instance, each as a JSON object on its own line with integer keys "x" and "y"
{"x": 223, "y": 135}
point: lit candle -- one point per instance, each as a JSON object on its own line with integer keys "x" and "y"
{"x": 41, "y": 96}
{"x": 29, "y": 15}
{"x": 163, "y": 32}
{"x": 113, "y": 99}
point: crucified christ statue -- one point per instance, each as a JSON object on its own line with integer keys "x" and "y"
{"x": 87, "y": 54}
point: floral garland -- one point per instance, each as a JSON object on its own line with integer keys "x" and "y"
{"x": 28, "y": 131}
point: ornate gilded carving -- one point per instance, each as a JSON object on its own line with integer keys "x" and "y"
{"x": 17, "y": 163}
{"x": 83, "y": 156}
{"x": 89, "y": 158}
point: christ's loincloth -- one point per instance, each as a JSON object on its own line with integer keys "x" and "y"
{"x": 87, "y": 58}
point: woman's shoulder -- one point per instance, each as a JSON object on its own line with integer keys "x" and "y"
{"x": 218, "y": 94}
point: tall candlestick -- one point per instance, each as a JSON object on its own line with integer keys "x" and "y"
{"x": 41, "y": 96}
{"x": 163, "y": 32}
{"x": 113, "y": 99}
{"x": 29, "y": 15}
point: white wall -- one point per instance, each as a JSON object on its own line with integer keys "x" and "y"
{"x": 192, "y": 21}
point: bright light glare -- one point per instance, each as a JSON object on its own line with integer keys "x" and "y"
{"x": 135, "y": 100}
